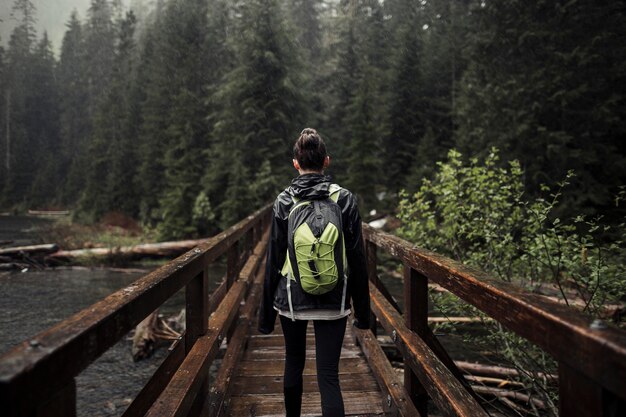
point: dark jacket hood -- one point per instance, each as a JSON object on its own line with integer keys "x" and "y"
{"x": 310, "y": 186}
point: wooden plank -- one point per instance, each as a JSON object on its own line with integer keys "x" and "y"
{"x": 276, "y": 368}
{"x": 179, "y": 395}
{"x": 221, "y": 388}
{"x": 278, "y": 353}
{"x": 355, "y": 404}
{"x": 416, "y": 319}
{"x": 257, "y": 341}
{"x": 445, "y": 390}
{"x": 385, "y": 375}
{"x": 268, "y": 384}
{"x": 600, "y": 352}
{"x": 159, "y": 380}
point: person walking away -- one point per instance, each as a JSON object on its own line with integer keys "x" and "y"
{"x": 315, "y": 271}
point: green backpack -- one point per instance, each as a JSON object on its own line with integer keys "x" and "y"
{"x": 316, "y": 249}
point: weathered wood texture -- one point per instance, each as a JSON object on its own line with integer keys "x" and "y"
{"x": 30, "y": 372}
{"x": 186, "y": 386}
{"x": 399, "y": 401}
{"x": 257, "y": 383}
{"x": 191, "y": 377}
{"x": 566, "y": 334}
{"x": 446, "y": 391}
{"x": 236, "y": 344}
{"x": 416, "y": 319}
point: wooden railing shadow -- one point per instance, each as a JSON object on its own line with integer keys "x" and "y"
{"x": 592, "y": 361}
{"x": 37, "y": 377}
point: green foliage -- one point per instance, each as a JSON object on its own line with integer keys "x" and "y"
{"x": 259, "y": 109}
{"x": 477, "y": 213}
{"x": 552, "y": 99}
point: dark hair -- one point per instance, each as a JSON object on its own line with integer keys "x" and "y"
{"x": 310, "y": 150}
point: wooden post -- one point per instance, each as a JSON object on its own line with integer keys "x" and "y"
{"x": 61, "y": 404}
{"x": 232, "y": 264}
{"x": 197, "y": 308}
{"x": 416, "y": 319}
{"x": 197, "y": 324}
{"x": 578, "y": 395}
{"x": 250, "y": 241}
{"x": 372, "y": 275}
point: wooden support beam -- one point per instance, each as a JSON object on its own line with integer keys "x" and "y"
{"x": 446, "y": 391}
{"x": 416, "y": 319}
{"x": 372, "y": 276}
{"x": 399, "y": 402}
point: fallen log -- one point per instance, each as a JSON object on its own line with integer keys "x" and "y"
{"x": 513, "y": 395}
{"x": 13, "y": 266}
{"x": 48, "y": 212}
{"x": 146, "y": 250}
{"x": 31, "y": 250}
{"x": 497, "y": 371}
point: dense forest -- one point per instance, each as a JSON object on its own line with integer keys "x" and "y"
{"x": 183, "y": 115}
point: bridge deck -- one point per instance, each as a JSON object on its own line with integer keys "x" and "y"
{"x": 258, "y": 382}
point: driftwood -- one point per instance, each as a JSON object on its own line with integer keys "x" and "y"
{"x": 32, "y": 250}
{"x": 12, "y": 266}
{"x": 498, "y": 392}
{"x": 497, "y": 371}
{"x": 48, "y": 212}
{"x": 150, "y": 332}
{"x": 513, "y": 395}
{"x": 163, "y": 249}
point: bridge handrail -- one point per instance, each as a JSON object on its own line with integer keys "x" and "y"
{"x": 590, "y": 358}
{"x": 42, "y": 368}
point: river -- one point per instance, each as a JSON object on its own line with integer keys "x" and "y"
{"x": 34, "y": 300}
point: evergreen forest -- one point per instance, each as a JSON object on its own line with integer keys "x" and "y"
{"x": 183, "y": 115}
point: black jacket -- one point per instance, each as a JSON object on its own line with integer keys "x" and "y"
{"x": 310, "y": 187}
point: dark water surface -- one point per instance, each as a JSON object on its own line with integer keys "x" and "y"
{"x": 33, "y": 301}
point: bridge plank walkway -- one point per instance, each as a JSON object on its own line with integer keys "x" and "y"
{"x": 258, "y": 381}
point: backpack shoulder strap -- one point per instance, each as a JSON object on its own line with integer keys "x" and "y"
{"x": 333, "y": 190}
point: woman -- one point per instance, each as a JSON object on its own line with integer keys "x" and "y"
{"x": 285, "y": 297}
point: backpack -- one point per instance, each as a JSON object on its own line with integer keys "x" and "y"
{"x": 316, "y": 248}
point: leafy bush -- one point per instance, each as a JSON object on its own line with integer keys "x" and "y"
{"x": 477, "y": 213}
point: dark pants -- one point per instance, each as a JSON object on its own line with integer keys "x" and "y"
{"x": 328, "y": 340}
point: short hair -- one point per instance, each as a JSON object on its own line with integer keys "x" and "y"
{"x": 310, "y": 150}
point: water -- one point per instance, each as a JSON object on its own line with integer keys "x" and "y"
{"x": 33, "y": 301}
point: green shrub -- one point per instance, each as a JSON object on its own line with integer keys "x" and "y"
{"x": 476, "y": 212}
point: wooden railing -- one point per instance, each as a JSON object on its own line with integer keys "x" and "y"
{"x": 592, "y": 359}
{"x": 37, "y": 377}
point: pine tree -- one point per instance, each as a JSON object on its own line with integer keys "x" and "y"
{"x": 111, "y": 177}
{"x": 19, "y": 163}
{"x": 75, "y": 121}
{"x": 186, "y": 134}
{"x": 121, "y": 110}
{"x": 3, "y": 119}
{"x": 100, "y": 40}
{"x": 550, "y": 97}
{"x": 261, "y": 113}
{"x": 42, "y": 121}
{"x": 356, "y": 127}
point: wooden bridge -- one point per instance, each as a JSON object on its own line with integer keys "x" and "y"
{"x": 37, "y": 378}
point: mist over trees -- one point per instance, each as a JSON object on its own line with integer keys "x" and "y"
{"x": 183, "y": 114}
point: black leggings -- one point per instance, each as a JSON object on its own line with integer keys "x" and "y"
{"x": 328, "y": 340}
